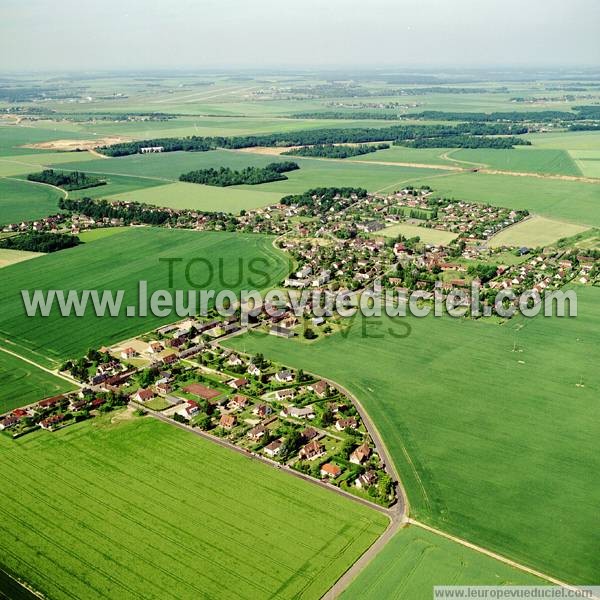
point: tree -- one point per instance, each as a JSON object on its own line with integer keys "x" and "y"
{"x": 309, "y": 334}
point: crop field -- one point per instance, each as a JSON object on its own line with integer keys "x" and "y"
{"x": 482, "y": 419}
{"x": 92, "y": 235}
{"x": 415, "y": 560}
{"x": 571, "y": 201}
{"x": 427, "y": 235}
{"x": 201, "y": 197}
{"x": 535, "y": 231}
{"x": 22, "y": 165}
{"x": 400, "y": 154}
{"x": 21, "y": 383}
{"x": 23, "y": 200}
{"x": 523, "y": 159}
{"x": 118, "y": 263}
{"x": 11, "y": 257}
{"x": 96, "y": 511}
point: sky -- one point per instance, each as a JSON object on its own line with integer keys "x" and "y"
{"x": 64, "y": 35}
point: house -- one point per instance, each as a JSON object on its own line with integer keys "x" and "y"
{"x": 234, "y": 360}
{"x": 366, "y": 479}
{"x": 239, "y": 402}
{"x": 330, "y": 470}
{"x": 236, "y": 384}
{"x": 341, "y": 424}
{"x": 51, "y": 422}
{"x": 197, "y": 389}
{"x": 309, "y": 433}
{"x": 49, "y": 402}
{"x": 311, "y": 450}
{"x": 320, "y": 388}
{"x": 143, "y": 395}
{"x": 306, "y": 412}
{"x": 189, "y": 410}
{"x": 228, "y": 421}
{"x": 163, "y": 386}
{"x": 287, "y": 394}
{"x": 257, "y": 432}
{"x": 77, "y": 405}
{"x": 274, "y": 448}
{"x": 361, "y": 454}
{"x": 154, "y": 348}
{"x": 284, "y": 376}
{"x": 169, "y": 359}
{"x": 254, "y": 370}
{"x": 128, "y": 353}
{"x": 8, "y": 422}
{"x": 262, "y": 410}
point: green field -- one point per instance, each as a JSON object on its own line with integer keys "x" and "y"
{"x": 521, "y": 159}
{"x": 402, "y": 154}
{"x": 201, "y": 197}
{"x": 117, "y": 508}
{"x": 118, "y": 263}
{"x": 477, "y": 429}
{"x": 415, "y": 560}
{"x": 535, "y": 231}
{"x": 427, "y": 235}
{"x": 21, "y": 165}
{"x": 21, "y": 383}
{"x": 10, "y": 257}
{"x": 98, "y": 234}
{"x": 25, "y": 201}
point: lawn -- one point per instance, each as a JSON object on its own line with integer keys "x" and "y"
{"x": 535, "y": 231}
{"x": 571, "y": 201}
{"x": 118, "y": 263}
{"x": 26, "y": 201}
{"x": 201, "y": 197}
{"x": 495, "y": 445}
{"x": 427, "y": 235}
{"x": 127, "y": 507}
{"x": 415, "y": 560}
{"x": 21, "y": 383}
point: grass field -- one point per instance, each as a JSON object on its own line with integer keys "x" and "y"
{"x": 570, "y": 201}
{"x": 99, "y": 234}
{"x": 428, "y": 156}
{"x": 137, "y": 508}
{"x": 427, "y": 235}
{"x": 21, "y": 383}
{"x": 535, "y": 231}
{"x": 11, "y": 257}
{"x": 496, "y": 446}
{"x": 23, "y": 201}
{"x": 415, "y": 560}
{"x": 201, "y": 197}
{"x": 118, "y": 263}
{"x": 520, "y": 159}
{"x": 28, "y": 163}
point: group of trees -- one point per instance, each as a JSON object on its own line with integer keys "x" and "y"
{"x": 189, "y": 144}
{"x": 333, "y": 151}
{"x": 75, "y": 180}
{"x": 322, "y": 200}
{"x": 131, "y": 212}
{"x": 40, "y": 241}
{"x": 464, "y": 141}
{"x": 224, "y": 176}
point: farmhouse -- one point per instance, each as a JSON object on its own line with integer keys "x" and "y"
{"x": 128, "y": 353}
{"x": 280, "y": 331}
{"x": 330, "y": 470}
{"x": 154, "y": 347}
{"x": 197, "y": 389}
{"x": 311, "y": 450}
{"x": 228, "y": 421}
{"x": 274, "y": 448}
{"x": 361, "y": 454}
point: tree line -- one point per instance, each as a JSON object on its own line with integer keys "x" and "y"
{"x": 464, "y": 141}
{"x": 333, "y": 151}
{"x": 224, "y": 176}
{"x": 74, "y": 180}
{"x": 322, "y": 200}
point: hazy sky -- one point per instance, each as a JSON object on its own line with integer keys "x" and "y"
{"x": 90, "y": 34}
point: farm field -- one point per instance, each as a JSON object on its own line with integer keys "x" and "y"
{"x": 29, "y": 163}
{"x": 477, "y": 428}
{"x": 21, "y": 383}
{"x": 11, "y": 257}
{"x": 588, "y": 161}
{"x": 118, "y": 263}
{"x": 520, "y": 159}
{"x": 427, "y": 235}
{"x": 23, "y": 200}
{"x": 571, "y": 201}
{"x": 415, "y": 560}
{"x": 99, "y": 513}
{"x": 401, "y": 154}
{"x": 201, "y": 197}
{"x": 535, "y": 231}
{"x": 91, "y": 235}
